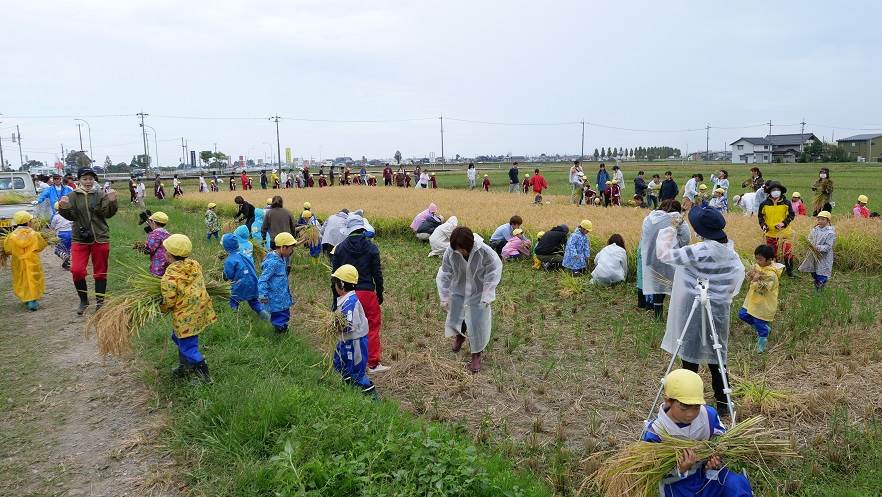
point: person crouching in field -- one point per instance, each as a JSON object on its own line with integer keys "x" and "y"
{"x": 516, "y": 247}
{"x": 273, "y": 291}
{"x": 549, "y": 249}
{"x": 715, "y": 261}
{"x": 761, "y": 301}
{"x": 24, "y": 245}
{"x": 719, "y": 201}
{"x": 684, "y": 415}
{"x": 429, "y": 212}
{"x": 611, "y": 263}
{"x": 819, "y": 257}
{"x": 351, "y": 354}
{"x": 154, "y": 247}
{"x": 184, "y": 295}
{"x": 212, "y": 223}
{"x": 467, "y": 279}
{"x": 578, "y": 251}
{"x": 501, "y": 235}
{"x": 241, "y": 273}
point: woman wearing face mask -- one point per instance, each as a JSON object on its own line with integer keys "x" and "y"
{"x": 823, "y": 189}
{"x": 775, "y": 215}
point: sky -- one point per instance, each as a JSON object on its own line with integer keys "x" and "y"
{"x": 359, "y": 79}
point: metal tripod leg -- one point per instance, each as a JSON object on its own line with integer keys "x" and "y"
{"x": 695, "y": 305}
{"x": 718, "y": 348}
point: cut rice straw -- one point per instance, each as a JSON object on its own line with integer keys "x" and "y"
{"x": 639, "y": 468}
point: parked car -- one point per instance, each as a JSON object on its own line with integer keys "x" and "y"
{"x": 19, "y": 187}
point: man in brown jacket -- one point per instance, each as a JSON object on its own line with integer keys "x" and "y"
{"x": 276, "y": 220}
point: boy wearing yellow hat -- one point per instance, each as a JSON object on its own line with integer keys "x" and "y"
{"x": 351, "y": 354}
{"x": 272, "y": 286}
{"x": 157, "y": 234}
{"x": 212, "y": 222}
{"x": 860, "y": 208}
{"x": 24, "y": 245}
{"x": 578, "y": 250}
{"x": 185, "y": 297}
{"x": 818, "y": 259}
{"x": 684, "y": 415}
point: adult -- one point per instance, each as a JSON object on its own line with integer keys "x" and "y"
{"x": 471, "y": 174}
{"x": 387, "y": 175}
{"x": 467, "y": 279}
{"x": 775, "y": 215}
{"x": 203, "y": 186}
{"x": 358, "y": 250}
{"x": 425, "y": 213}
{"x": 611, "y": 263}
{"x": 657, "y": 274}
{"x": 53, "y": 193}
{"x": 756, "y": 180}
{"x": 714, "y": 261}
{"x": 550, "y": 246}
{"x": 690, "y": 191}
{"x": 669, "y": 188}
{"x": 619, "y": 178}
{"x": 276, "y": 220}
{"x": 263, "y": 179}
{"x": 602, "y": 177}
{"x": 513, "y": 182}
{"x": 88, "y": 207}
{"x": 132, "y": 185}
{"x": 424, "y": 180}
{"x": 504, "y": 232}
{"x": 640, "y": 186}
{"x": 823, "y": 189}
{"x": 331, "y": 175}
{"x": 440, "y": 238}
{"x": 721, "y": 180}
{"x": 245, "y": 214}
{"x": 332, "y": 231}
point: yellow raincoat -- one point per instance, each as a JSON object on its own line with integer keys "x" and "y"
{"x": 761, "y": 301}
{"x": 24, "y": 246}
{"x": 184, "y": 295}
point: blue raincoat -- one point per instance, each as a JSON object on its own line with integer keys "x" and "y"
{"x": 239, "y": 270}
{"x": 256, "y": 232}
{"x": 245, "y": 248}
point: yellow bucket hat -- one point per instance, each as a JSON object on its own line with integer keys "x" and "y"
{"x": 178, "y": 245}
{"x": 212, "y": 205}
{"x": 22, "y": 217}
{"x": 863, "y": 199}
{"x": 685, "y": 387}
{"x": 307, "y": 206}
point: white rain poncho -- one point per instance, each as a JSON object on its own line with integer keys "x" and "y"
{"x": 658, "y": 276}
{"x": 722, "y": 267}
{"x": 331, "y": 234}
{"x": 469, "y": 287}
{"x": 610, "y": 265}
{"x": 440, "y": 238}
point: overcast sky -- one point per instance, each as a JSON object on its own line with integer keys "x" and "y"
{"x": 649, "y": 65}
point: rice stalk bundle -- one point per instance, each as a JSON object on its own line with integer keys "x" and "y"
{"x": 637, "y": 469}
{"x": 311, "y": 234}
{"x": 229, "y": 226}
{"x": 139, "y": 246}
{"x": 330, "y": 329}
{"x": 258, "y": 252}
{"x": 4, "y": 257}
{"x": 428, "y": 376}
{"x": 124, "y": 315}
{"x": 14, "y": 198}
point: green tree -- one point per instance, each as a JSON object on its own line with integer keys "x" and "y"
{"x": 205, "y": 156}
{"x": 596, "y": 154}
{"x": 602, "y": 152}
{"x": 107, "y": 162}
{"x": 76, "y": 159}
{"x": 615, "y": 152}
{"x": 217, "y": 159}
{"x": 32, "y": 164}
{"x": 398, "y": 156}
{"x": 140, "y": 161}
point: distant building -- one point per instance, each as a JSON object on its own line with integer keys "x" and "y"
{"x": 868, "y": 146}
{"x": 751, "y": 151}
{"x": 772, "y": 148}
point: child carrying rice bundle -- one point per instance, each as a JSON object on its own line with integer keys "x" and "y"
{"x": 351, "y": 353}
{"x": 24, "y": 245}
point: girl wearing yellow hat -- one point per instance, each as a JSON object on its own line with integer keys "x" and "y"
{"x": 818, "y": 259}
{"x": 860, "y": 208}
{"x": 24, "y": 245}
{"x": 155, "y": 236}
{"x": 797, "y": 205}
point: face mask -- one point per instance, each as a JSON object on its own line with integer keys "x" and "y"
{"x": 823, "y": 176}
{"x": 776, "y": 193}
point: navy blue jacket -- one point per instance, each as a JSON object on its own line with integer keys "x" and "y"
{"x": 513, "y": 176}
{"x": 362, "y": 253}
{"x": 668, "y": 190}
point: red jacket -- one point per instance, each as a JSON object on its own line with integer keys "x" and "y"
{"x": 538, "y": 183}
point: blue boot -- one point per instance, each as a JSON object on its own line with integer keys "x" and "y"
{"x": 761, "y": 343}
{"x": 32, "y": 305}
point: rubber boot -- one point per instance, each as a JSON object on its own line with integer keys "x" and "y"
{"x": 458, "y": 340}
{"x": 659, "y": 311}
{"x": 83, "y": 293}
{"x": 475, "y": 365}
{"x": 201, "y": 370}
{"x": 100, "y": 290}
{"x": 184, "y": 367}
{"x": 641, "y": 300}
{"x": 788, "y": 267}
{"x": 761, "y": 343}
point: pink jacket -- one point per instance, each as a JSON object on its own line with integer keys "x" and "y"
{"x": 422, "y": 216}
{"x": 515, "y": 246}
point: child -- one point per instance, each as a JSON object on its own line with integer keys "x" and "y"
{"x": 516, "y": 247}
{"x": 615, "y": 193}
{"x": 213, "y": 186}
{"x": 433, "y": 181}
{"x": 24, "y": 245}
{"x": 140, "y": 191}
{"x": 62, "y": 227}
{"x": 860, "y": 210}
{"x": 797, "y": 204}
{"x": 607, "y": 193}
{"x": 272, "y": 286}
{"x": 538, "y": 182}
{"x": 684, "y": 415}
{"x": 323, "y": 182}
{"x": 719, "y": 202}
{"x": 702, "y": 197}
{"x": 176, "y": 184}
{"x": 243, "y": 236}
{"x": 184, "y": 295}
{"x": 526, "y": 184}
{"x": 160, "y": 191}
{"x": 154, "y": 246}
{"x": 761, "y": 301}
{"x": 486, "y": 184}
{"x": 310, "y": 220}
{"x": 350, "y": 356}
{"x": 212, "y": 223}
{"x": 819, "y": 258}
{"x": 240, "y": 270}
{"x": 588, "y": 193}
{"x": 578, "y": 250}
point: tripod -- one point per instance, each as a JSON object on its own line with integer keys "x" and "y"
{"x": 703, "y": 302}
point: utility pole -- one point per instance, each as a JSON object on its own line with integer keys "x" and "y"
{"x": 802, "y": 137}
{"x": 184, "y": 157}
{"x": 80, "y": 131}
{"x": 582, "y": 152}
{"x": 2, "y": 160}
{"x": 91, "y": 150}
{"x": 770, "y": 127}
{"x": 707, "y": 143}
{"x": 155, "y": 144}
{"x": 20, "y": 155}
{"x": 142, "y": 115}
{"x": 276, "y": 118}
{"x": 442, "y": 137}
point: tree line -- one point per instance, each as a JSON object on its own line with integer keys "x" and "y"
{"x": 637, "y": 153}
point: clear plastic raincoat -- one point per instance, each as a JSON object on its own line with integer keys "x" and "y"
{"x": 657, "y": 277}
{"x": 440, "y": 238}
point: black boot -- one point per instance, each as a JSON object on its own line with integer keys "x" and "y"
{"x": 184, "y": 367}
{"x": 201, "y": 370}
{"x": 641, "y": 300}
{"x": 83, "y": 293}
{"x": 788, "y": 267}
{"x": 100, "y": 290}
{"x": 659, "y": 311}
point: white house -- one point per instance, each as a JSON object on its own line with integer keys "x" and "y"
{"x": 751, "y": 151}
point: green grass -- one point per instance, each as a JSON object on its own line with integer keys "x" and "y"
{"x": 564, "y": 377}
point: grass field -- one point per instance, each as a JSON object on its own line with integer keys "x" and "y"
{"x": 570, "y": 372}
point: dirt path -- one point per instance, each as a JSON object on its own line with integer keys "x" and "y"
{"x": 72, "y": 423}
